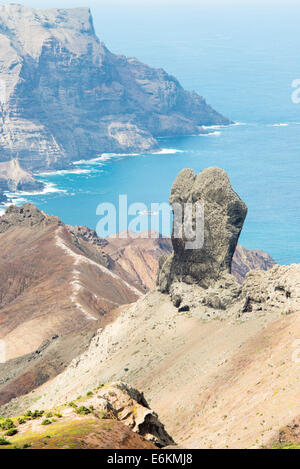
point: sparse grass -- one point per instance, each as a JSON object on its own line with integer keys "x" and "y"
{"x": 61, "y": 435}
{"x": 287, "y": 446}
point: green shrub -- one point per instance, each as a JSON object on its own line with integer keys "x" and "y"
{"x": 4, "y": 442}
{"x": 49, "y": 415}
{"x": 83, "y": 410}
{"x": 72, "y": 404}
{"x": 90, "y": 394}
{"x": 11, "y": 432}
{"x": 21, "y": 420}
{"x": 7, "y": 424}
{"x": 37, "y": 414}
{"x": 46, "y": 422}
{"x": 58, "y": 415}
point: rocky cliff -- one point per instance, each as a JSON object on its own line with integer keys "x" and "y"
{"x": 14, "y": 178}
{"x": 59, "y": 284}
{"x": 65, "y": 96}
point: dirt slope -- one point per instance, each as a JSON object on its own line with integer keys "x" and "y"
{"x": 53, "y": 285}
{"x": 214, "y": 383}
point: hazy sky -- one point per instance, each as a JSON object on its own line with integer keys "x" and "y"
{"x": 141, "y": 3}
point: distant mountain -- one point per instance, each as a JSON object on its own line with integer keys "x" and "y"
{"x": 65, "y": 96}
{"x": 245, "y": 260}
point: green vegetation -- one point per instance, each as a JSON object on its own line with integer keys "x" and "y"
{"x": 83, "y": 410}
{"x": 4, "y": 442}
{"x": 7, "y": 424}
{"x": 72, "y": 404}
{"x": 33, "y": 415}
{"x": 61, "y": 435}
{"x": 46, "y": 422}
{"x": 11, "y": 432}
{"x": 287, "y": 446}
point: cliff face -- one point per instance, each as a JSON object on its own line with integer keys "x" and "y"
{"x": 14, "y": 178}
{"x": 65, "y": 97}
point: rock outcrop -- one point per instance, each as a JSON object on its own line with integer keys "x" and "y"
{"x": 64, "y": 96}
{"x": 201, "y": 278}
{"x": 277, "y": 290}
{"x": 14, "y": 178}
{"x": 131, "y": 408}
{"x": 288, "y": 437}
{"x": 221, "y": 224}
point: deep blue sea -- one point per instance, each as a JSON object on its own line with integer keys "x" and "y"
{"x": 243, "y": 61}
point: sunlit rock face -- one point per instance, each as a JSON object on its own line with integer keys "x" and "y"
{"x": 223, "y": 217}
{"x": 64, "y": 96}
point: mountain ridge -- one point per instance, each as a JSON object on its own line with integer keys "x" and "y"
{"x": 59, "y": 284}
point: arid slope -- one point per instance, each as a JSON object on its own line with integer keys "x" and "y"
{"x": 56, "y": 290}
{"x": 230, "y": 383}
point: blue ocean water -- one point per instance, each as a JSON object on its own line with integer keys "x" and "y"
{"x": 243, "y": 60}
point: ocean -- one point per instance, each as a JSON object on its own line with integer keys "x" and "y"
{"x": 243, "y": 60}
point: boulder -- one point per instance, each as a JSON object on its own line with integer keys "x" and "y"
{"x": 129, "y": 406}
{"x": 14, "y": 178}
